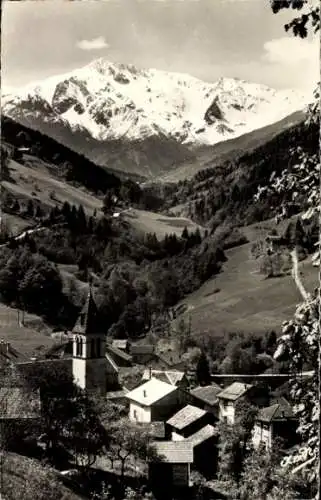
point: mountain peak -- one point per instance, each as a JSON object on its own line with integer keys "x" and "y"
{"x": 109, "y": 101}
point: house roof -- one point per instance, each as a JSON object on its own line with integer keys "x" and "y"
{"x": 118, "y": 352}
{"x": 279, "y": 410}
{"x": 120, "y": 343}
{"x": 185, "y": 417}
{"x": 111, "y": 362}
{"x": 87, "y": 321}
{"x": 142, "y": 349}
{"x": 9, "y": 354}
{"x": 18, "y": 403}
{"x": 234, "y": 391}
{"x": 150, "y": 392}
{"x": 202, "y": 435}
{"x": 175, "y": 452}
{"x": 172, "y": 377}
{"x": 207, "y": 393}
{"x": 117, "y": 394}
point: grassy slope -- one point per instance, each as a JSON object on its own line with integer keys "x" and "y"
{"x": 246, "y": 301}
{"x": 27, "y": 479}
{"x": 35, "y": 177}
{"x": 150, "y": 222}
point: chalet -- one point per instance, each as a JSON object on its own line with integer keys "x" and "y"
{"x": 187, "y": 421}
{"x": 152, "y": 401}
{"x": 228, "y": 399}
{"x": 276, "y": 421}
{"x": 172, "y": 467}
{"x": 205, "y": 450}
{"x": 205, "y": 397}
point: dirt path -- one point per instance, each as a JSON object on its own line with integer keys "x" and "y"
{"x": 296, "y": 275}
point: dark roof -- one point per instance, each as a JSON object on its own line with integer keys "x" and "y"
{"x": 18, "y": 403}
{"x": 202, "y": 435}
{"x": 175, "y": 452}
{"x": 279, "y": 409}
{"x": 118, "y": 352}
{"x": 234, "y": 391}
{"x": 185, "y": 417}
{"x": 208, "y": 393}
{"x": 88, "y": 319}
{"x": 142, "y": 349}
{"x": 9, "y": 354}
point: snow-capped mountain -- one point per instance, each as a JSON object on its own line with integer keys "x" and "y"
{"x": 109, "y": 101}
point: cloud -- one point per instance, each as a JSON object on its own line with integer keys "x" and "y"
{"x": 94, "y": 44}
{"x": 291, "y": 51}
{"x": 296, "y": 59}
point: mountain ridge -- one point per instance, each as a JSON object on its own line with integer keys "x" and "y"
{"x": 160, "y": 118}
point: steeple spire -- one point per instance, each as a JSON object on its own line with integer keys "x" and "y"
{"x": 88, "y": 319}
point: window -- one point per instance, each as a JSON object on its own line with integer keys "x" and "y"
{"x": 135, "y": 414}
{"x": 80, "y": 346}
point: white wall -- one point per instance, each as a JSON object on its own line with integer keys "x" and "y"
{"x": 262, "y": 434}
{"x": 138, "y": 413}
{"x": 177, "y": 437}
{"x": 226, "y": 411}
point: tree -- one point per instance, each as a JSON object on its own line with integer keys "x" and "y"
{"x": 203, "y": 373}
{"x": 299, "y": 25}
{"x": 128, "y": 441}
{"x": 262, "y": 480}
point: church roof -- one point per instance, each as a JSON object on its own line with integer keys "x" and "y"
{"x": 88, "y": 319}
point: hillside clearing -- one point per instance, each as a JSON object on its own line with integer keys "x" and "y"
{"x": 34, "y": 180}
{"x": 150, "y": 222}
{"x": 241, "y": 299}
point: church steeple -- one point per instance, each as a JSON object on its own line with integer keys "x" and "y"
{"x": 88, "y": 319}
{"x": 89, "y": 347}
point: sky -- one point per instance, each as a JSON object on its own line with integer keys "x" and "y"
{"x": 208, "y": 39}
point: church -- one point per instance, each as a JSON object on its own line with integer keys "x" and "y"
{"x": 93, "y": 370}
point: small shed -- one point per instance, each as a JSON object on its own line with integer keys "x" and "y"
{"x": 205, "y": 450}
{"x": 172, "y": 468}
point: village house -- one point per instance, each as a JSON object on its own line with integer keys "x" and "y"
{"x": 228, "y": 399}
{"x": 205, "y": 397}
{"x": 153, "y": 401}
{"x": 276, "y": 421}
{"x": 187, "y": 421}
{"x": 205, "y": 450}
{"x": 172, "y": 468}
{"x": 173, "y": 377}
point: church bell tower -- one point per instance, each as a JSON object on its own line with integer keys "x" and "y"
{"x": 89, "y": 349}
